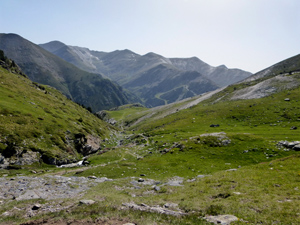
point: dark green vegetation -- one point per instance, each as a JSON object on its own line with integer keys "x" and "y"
{"x": 88, "y": 89}
{"x": 39, "y": 124}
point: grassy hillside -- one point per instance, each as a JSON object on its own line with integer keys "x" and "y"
{"x": 41, "y": 66}
{"x": 242, "y": 169}
{"x": 217, "y": 157}
{"x": 38, "y": 120}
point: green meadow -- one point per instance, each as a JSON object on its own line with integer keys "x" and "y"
{"x": 234, "y": 167}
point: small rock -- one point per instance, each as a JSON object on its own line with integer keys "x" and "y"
{"x": 200, "y": 176}
{"x": 191, "y": 180}
{"x": 296, "y": 147}
{"x": 142, "y": 175}
{"x": 171, "y": 205}
{"x": 5, "y": 214}
{"x": 232, "y": 170}
{"x": 141, "y": 180}
{"x": 129, "y": 224}
{"x": 36, "y": 206}
{"x": 287, "y": 99}
{"x": 87, "y": 202}
{"x": 157, "y": 188}
{"x": 92, "y": 177}
{"x": 293, "y": 128}
{"x": 221, "y": 219}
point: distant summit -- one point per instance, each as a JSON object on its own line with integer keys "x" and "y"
{"x": 157, "y": 80}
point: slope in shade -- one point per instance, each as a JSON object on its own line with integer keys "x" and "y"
{"x": 41, "y": 66}
{"x": 39, "y": 124}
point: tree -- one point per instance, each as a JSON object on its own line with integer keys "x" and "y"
{"x": 2, "y": 56}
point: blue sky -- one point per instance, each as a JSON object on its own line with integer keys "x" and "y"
{"x": 246, "y": 34}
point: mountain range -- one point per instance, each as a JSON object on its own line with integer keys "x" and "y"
{"x": 88, "y": 89}
{"x": 104, "y": 80}
{"x": 157, "y": 80}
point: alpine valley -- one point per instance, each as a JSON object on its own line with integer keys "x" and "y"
{"x": 213, "y": 145}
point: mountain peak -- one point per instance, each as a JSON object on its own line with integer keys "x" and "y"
{"x": 222, "y": 67}
{"x": 52, "y": 46}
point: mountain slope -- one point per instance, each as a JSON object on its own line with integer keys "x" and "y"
{"x": 128, "y": 69}
{"x": 39, "y": 124}
{"x": 221, "y": 75}
{"x": 281, "y": 77}
{"x": 163, "y": 84}
{"x": 89, "y": 89}
{"x": 287, "y": 66}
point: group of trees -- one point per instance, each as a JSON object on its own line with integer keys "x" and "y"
{"x": 3, "y": 58}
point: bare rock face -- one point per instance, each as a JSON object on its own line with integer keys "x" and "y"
{"x": 3, "y": 162}
{"x": 93, "y": 141}
{"x": 266, "y": 87}
{"x": 27, "y": 157}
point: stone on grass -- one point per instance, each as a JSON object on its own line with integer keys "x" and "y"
{"x": 175, "y": 181}
{"x": 86, "y": 202}
{"x": 221, "y": 219}
{"x": 232, "y": 170}
{"x": 157, "y": 188}
{"x": 141, "y": 180}
{"x": 36, "y": 206}
{"x": 5, "y": 214}
{"x": 171, "y": 205}
{"x": 297, "y": 147}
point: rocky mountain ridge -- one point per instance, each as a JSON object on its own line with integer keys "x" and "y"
{"x": 157, "y": 80}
